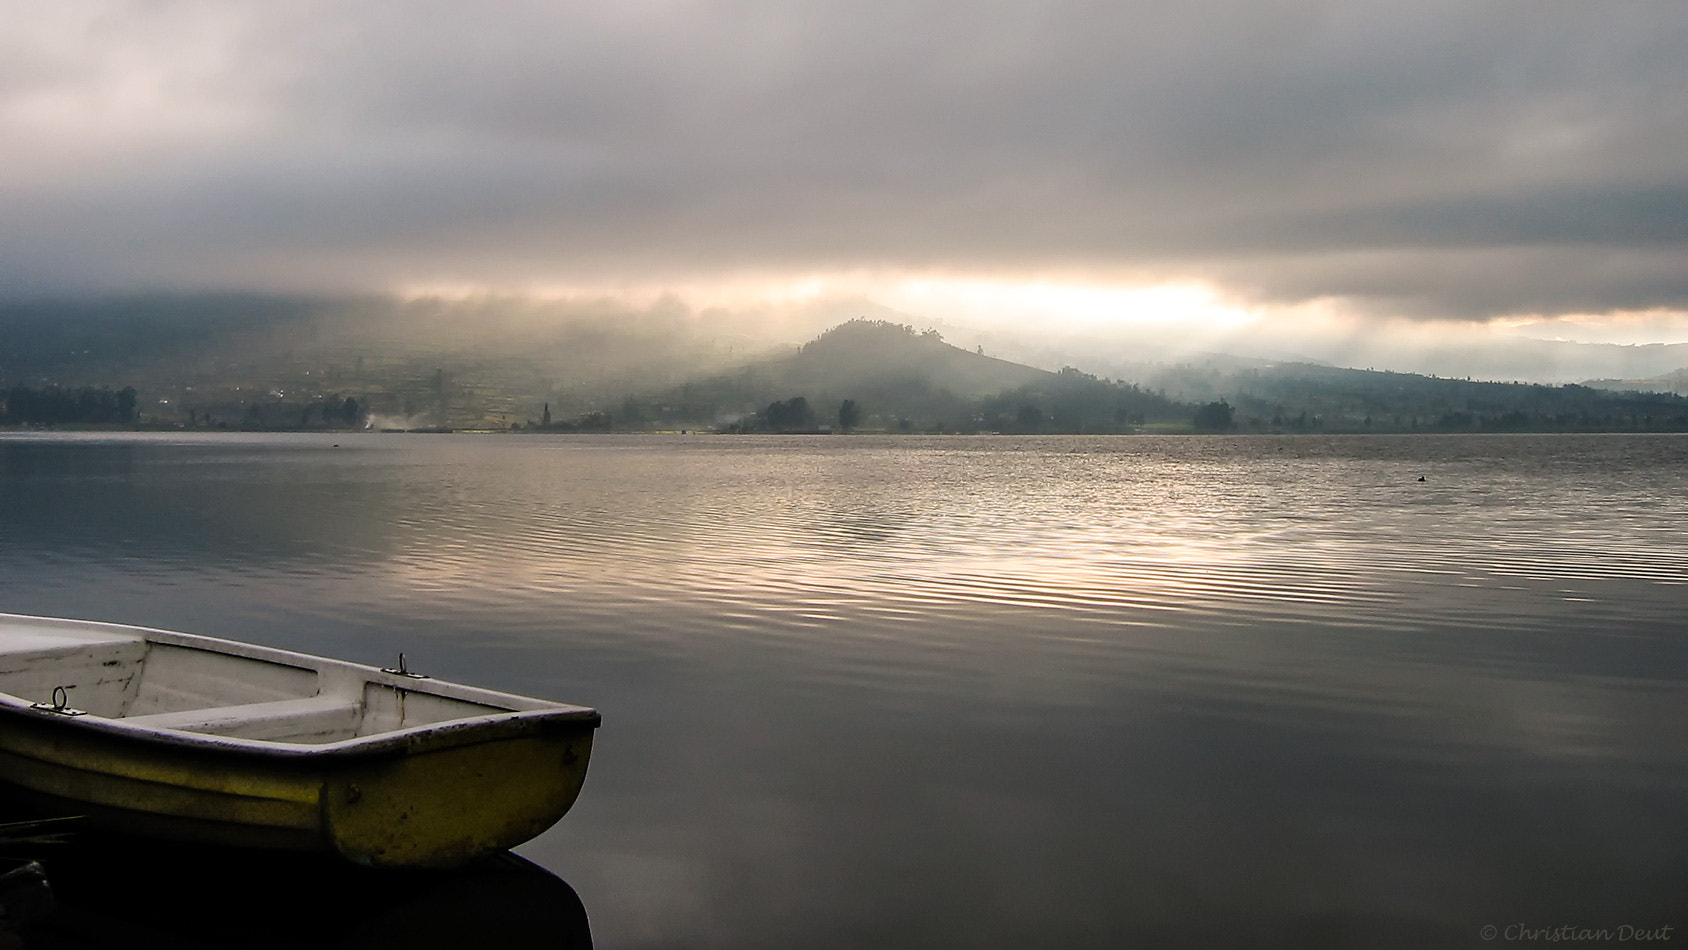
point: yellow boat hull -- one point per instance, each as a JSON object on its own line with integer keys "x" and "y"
{"x": 436, "y": 807}
{"x": 278, "y": 750}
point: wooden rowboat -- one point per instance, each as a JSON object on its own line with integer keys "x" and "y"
{"x": 179, "y": 736}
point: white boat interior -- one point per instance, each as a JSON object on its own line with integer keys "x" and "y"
{"x": 159, "y": 680}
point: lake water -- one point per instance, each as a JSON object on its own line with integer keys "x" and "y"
{"x": 988, "y": 692}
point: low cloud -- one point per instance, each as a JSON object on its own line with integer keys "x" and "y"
{"x": 1439, "y": 160}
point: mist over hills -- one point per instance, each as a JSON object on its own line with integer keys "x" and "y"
{"x": 268, "y": 362}
{"x": 903, "y": 379}
{"x": 1672, "y": 382}
{"x": 1544, "y": 361}
{"x": 259, "y": 361}
{"x": 1477, "y": 357}
{"x": 904, "y": 374}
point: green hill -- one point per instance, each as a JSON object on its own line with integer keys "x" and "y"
{"x": 903, "y": 379}
{"x": 273, "y": 363}
{"x": 891, "y": 370}
{"x": 1308, "y": 397}
{"x": 1672, "y": 382}
{"x": 254, "y": 361}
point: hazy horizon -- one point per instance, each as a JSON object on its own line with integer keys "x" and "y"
{"x": 257, "y": 328}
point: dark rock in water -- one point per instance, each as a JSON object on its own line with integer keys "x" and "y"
{"x": 25, "y": 897}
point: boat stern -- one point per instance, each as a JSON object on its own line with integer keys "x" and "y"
{"x": 443, "y": 806}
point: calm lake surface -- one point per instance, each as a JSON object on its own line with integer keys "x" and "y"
{"x": 990, "y": 692}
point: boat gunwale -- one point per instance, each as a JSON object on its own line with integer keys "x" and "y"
{"x": 521, "y": 714}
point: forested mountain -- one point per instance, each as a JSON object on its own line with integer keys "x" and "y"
{"x": 898, "y": 379}
{"x": 1672, "y": 382}
{"x": 876, "y": 374}
{"x": 1299, "y": 397}
{"x": 267, "y": 363}
{"x": 896, "y": 373}
{"x": 277, "y": 362}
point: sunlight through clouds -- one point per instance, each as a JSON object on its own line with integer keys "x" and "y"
{"x": 1199, "y": 169}
{"x": 992, "y": 301}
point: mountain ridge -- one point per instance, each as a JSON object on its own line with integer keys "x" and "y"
{"x": 489, "y": 363}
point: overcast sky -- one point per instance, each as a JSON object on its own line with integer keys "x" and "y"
{"x": 1418, "y": 159}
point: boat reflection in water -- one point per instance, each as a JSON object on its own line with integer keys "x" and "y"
{"x": 122, "y": 892}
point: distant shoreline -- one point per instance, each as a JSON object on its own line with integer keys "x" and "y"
{"x": 1150, "y": 432}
